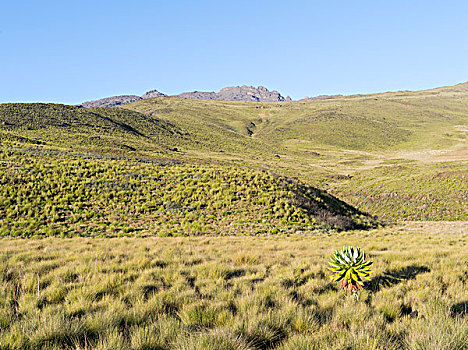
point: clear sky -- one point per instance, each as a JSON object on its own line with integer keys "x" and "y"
{"x": 69, "y": 51}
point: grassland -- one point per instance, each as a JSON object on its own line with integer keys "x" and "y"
{"x": 258, "y": 196}
{"x": 235, "y": 292}
{"x": 373, "y": 123}
{"x": 366, "y": 150}
{"x": 409, "y": 190}
{"x": 60, "y": 195}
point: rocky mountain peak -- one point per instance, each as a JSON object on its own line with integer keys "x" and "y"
{"x": 230, "y": 93}
{"x": 112, "y": 101}
{"x": 152, "y": 93}
{"x": 115, "y": 101}
{"x": 240, "y": 93}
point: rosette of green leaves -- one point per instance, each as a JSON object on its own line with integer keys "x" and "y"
{"x": 350, "y": 268}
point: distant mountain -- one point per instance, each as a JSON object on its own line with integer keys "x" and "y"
{"x": 240, "y": 93}
{"x": 111, "y": 101}
{"x": 114, "y": 101}
{"x": 232, "y": 93}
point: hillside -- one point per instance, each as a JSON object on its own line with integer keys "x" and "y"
{"x": 399, "y": 155}
{"x": 57, "y": 194}
{"x": 100, "y": 130}
{"x": 182, "y": 179}
{"x": 115, "y": 131}
{"x": 430, "y": 119}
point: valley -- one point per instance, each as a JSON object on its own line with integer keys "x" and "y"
{"x": 185, "y": 223}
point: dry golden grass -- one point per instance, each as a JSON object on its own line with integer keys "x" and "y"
{"x": 235, "y": 292}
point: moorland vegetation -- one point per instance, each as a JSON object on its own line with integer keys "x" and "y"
{"x": 258, "y": 195}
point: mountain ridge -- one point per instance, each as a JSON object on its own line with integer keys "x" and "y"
{"x": 246, "y": 93}
{"x": 114, "y": 101}
{"x": 242, "y": 93}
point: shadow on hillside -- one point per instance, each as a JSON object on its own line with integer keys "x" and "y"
{"x": 460, "y": 309}
{"x": 122, "y": 125}
{"x": 330, "y": 210}
{"x": 394, "y": 277}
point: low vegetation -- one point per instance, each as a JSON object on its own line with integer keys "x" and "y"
{"x": 114, "y": 131}
{"x": 408, "y": 190}
{"x": 235, "y": 292}
{"x": 359, "y": 148}
{"x": 254, "y": 198}
{"x": 63, "y": 195}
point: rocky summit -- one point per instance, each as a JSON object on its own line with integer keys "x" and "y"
{"x": 114, "y": 101}
{"x": 232, "y": 93}
{"x": 240, "y": 93}
{"x": 111, "y": 101}
{"x": 152, "y": 93}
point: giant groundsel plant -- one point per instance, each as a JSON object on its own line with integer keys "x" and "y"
{"x": 350, "y": 268}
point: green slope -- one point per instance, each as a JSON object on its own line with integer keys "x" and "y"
{"x": 96, "y": 129}
{"x": 410, "y": 120}
{"x": 54, "y": 194}
{"x": 433, "y": 119}
{"x": 410, "y": 190}
{"x": 363, "y": 148}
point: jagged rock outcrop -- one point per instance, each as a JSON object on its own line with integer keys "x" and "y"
{"x": 232, "y": 93}
{"x": 240, "y": 93}
{"x": 203, "y": 95}
{"x": 114, "y": 101}
{"x": 152, "y": 93}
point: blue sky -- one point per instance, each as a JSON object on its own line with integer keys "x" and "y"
{"x": 71, "y": 51}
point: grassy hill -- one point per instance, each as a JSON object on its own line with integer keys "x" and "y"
{"x": 110, "y": 130}
{"x": 410, "y": 120}
{"x": 433, "y": 119}
{"x": 408, "y": 190}
{"x": 368, "y": 150}
{"x": 56, "y": 194}
{"x": 101, "y": 130}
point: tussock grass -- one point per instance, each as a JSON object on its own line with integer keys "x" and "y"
{"x": 63, "y": 195}
{"x": 410, "y": 190}
{"x": 370, "y": 151}
{"x": 235, "y": 292}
